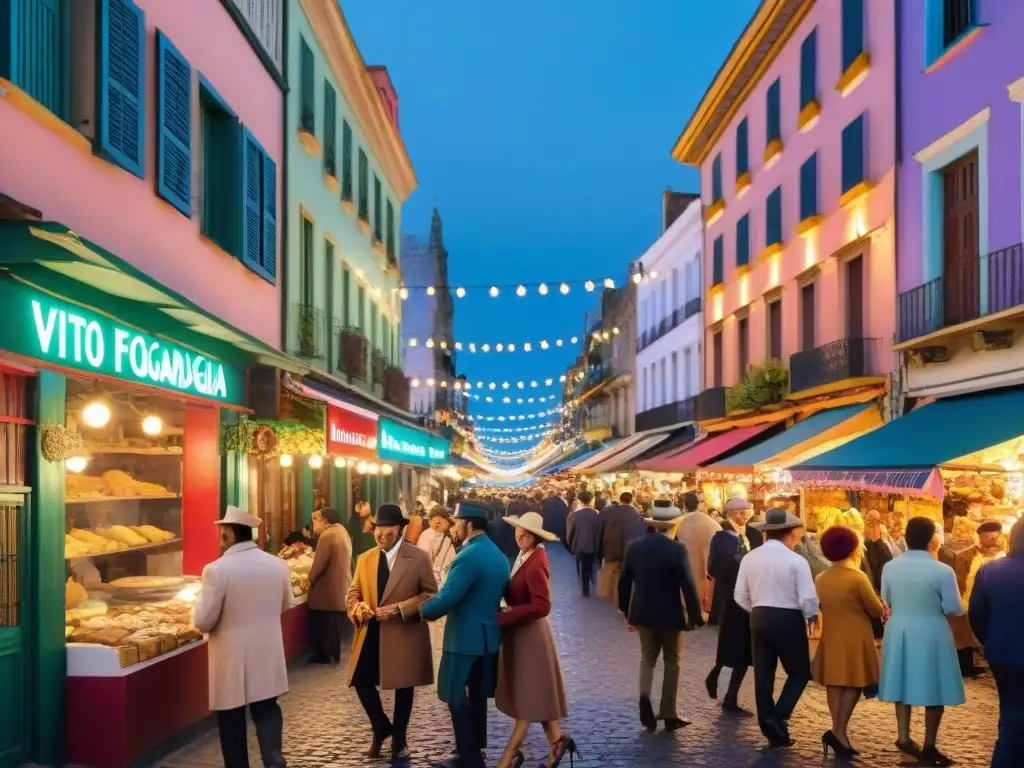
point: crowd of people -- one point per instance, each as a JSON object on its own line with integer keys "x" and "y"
{"x": 474, "y": 580}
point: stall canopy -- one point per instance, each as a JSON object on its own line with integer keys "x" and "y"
{"x": 611, "y": 450}
{"x": 574, "y": 458}
{"x": 803, "y": 439}
{"x": 622, "y": 458}
{"x": 904, "y": 455}
{"x": 702, "y": 452}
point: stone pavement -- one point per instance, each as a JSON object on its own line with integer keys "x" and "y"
{"x": 324, "y": 725}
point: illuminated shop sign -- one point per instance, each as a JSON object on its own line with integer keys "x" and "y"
{"x": 401, "y": 444}
{"x": 350, "y": 434}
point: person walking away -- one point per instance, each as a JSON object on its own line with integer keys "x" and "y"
{"x": 530, "y": 688}
{"x": 329, "y": 580}
{"x": 620, "y": 523}
{"x": 695, "y": 532}
{"x": 555, "y": 511}
{"x": 584, "y": 539}
{"x": 996, "y": 607}
{"x": 243, "y": 595}
{"x": 654, "y": 586}
{"x": 774, "y": 585}
{"x": 470, "y": 599}
{"x": 846, "y": 661}
{"x": 360, "y": 529}
{"x": 392, "y": 645}
{"x": 728, "y": 548}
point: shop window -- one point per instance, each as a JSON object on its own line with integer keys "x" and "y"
{"x": 307, "y": 94}
{"x": 346, "y": 161}
{"x": 330, "y": 140}
{"x": 174, "y": 126}
{"x": 364, "y": 186}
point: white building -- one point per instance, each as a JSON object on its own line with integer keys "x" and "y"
{"x": 670, "y": 324}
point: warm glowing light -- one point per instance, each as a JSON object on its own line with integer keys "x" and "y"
{"x": 96, "y": 414}
{"x": 430, "y": 290}
{"x": 444, "y": 384}
{"x": 444, "y": 345}
{"x": 574, "y": 340}
{"x": 373, "y": 468}
{"x": 564, "y": 288}
{"x": 413, "y": 342}
{"x": 558, "y": 342}
{"x": 386, "y": 469}
{"x": 458, "y": 346}
{"x": 527, "y": 347}
{"x": 521, "y": 291}
{"x": 488, "y": 399}
{"x": 609, "y": 283}
{"x": 460, "y": 292}
{"x": 499, "y": 347}
{"x": 492, "y": 386}
{"x": 511, "y": 347}
{"x": 542, "y": 289}
{"x": 485, "y": 348}
{"x": 472, "y": 348}
{"x": 521, "y": 385}
{"x": 773, "y": 272}
{"x": 361, "y": 467}
{"x": 75, "y": 463}
{"x": 359, "y": 273}
{"x": 589, "y": 285}
{"x": 544, "y": 345}
{"x": 506, "y": 400}
{"x": 638, "y": 277}
{"x": 615, "y": 330}
{"x": 315, "y": 462}
{"x": 548, "y": 382}
{"x": 493, "y": 291}
{"x": 810, "y": 249}
{"x": 717, "y": 308}
{"x": 562, "y": 378}
{"x": 504, "y": 385}
{"x": 415, "y": 382}
{"x": 457, "y": 385}
{"x": 533, "y": 384}
{"x": 430, "y": 343}
{"x": 403, "y": 293}
{"x": 340, "y": 463}
{"x": 430, "y": 382}
{"x": 744, "y": 290}
{"x": 654, "y": 274}
{"x": 285, "y": 460}
{"x": 479, "y": 385}
{"x": 152, "y": 425}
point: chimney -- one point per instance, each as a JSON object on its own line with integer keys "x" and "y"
{"x": 386, "y": 92}
{"x": 673, "y": 204}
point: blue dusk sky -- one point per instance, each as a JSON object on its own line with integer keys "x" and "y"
{"x": 542, "y": 130}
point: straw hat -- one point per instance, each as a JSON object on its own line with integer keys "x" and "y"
{"x": 236, "y": 516}
{"x": 530, "y": 522}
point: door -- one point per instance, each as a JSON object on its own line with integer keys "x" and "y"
{"x": 807, "y": 333}
{"x": 775, "y": 329}
{"x": 716, "y": 351}
{"x": 960, "y": 257}
{"x": 743, "y": 342}
{"x": 14, "y": 661}
{"x": 855, "y": 298}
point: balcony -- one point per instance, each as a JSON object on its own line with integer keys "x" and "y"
{"x": 692, "y": 308}
{"x": 830, "y": 363}
{"x": 709, "y": 404}
{"x": 352, "y": 352}
{"x": 679, "y": 412}
{"x": 310, "y": 325}
{"x": 668, "y": 323}
{"x": 379, "y": 364}
{"x": 972, "y": 289}
{"x": 396, "y": 387}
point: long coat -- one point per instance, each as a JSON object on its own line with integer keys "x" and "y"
{"x": 846, "y": 653}
{"x": 331, "y": 574}
{"x": 584, "y": 532}
{"x": 695, "y": 531}
{"x": 244, "y": 594}
{"x": 724, "y": 557}
{"x": 406, "y": 660}
{"x": 659, "y": 567}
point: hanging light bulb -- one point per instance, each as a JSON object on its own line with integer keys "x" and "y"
{"x": 615, "y": 330}
{"x": 493, "y": 291}
{"x": 506, "y": 400}
{"x": 75, "y": 463}
{"x": 444, "y": 384}
{"x": 606, "y": 335}
{"x": 430, "y": 290}
{"x": 430, "y": 343}
{"x": 520, "y": 384}
{"x": 488, "y": 399}
{"x": 340, "y": 463}
{"x": 460, "y": 292}
{"x": 574, "y": 340}
{"x": 413, "y": 342}
{"x": 589, "y": 285}
{"x": 653, "y": 274}
{"x": 96, "y": 414}
{"x": 430, "y": 382}
{"x": 315, "y": 462}
{"x": 504, "y": 385}
{"x": 457, "y": 385}
{"x": 527, "y": 347}
{"x": 558, "y": 342}
{"x": 564, "y": 289}
{"x": 519, "y": 401}
{"x": 152, "y": 425}
{"x": 521, "y": 291}
{"x": 562, "y": 378}
{"x": 638, "y": 277}
{"x": 285, "y": 460}
{"x": 415, "y": 382}
{"x": 609, "y": 283}
{"x": 499, "y": 347}
{"x": 479, "y": 385}
{"x": 386, "y": 469}
{"x": 542, "y": 289}
{"x": 361, "y": 467}
{"x": 472, "y": 348}
{"x": 544, "y": 345}
{"x": 548, "y": 382}
{"x": 403, "y": 293}
{"x": 444, "y": 345}
{"x": 492, "y": 386}
{"x": 485, "y": 348}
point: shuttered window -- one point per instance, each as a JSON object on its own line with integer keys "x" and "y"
{"x": 809, "y": 188}
{"x": 307, "y": 93}
{"x": 853, "y": 31}
{"x": 346, "y": 161}
{"x": 773, "y": 217}
{"x": 121, "y": 86}
{"x": 173, "y": 126}
{"x": 364, "y": 186}
{"x": 743, "y": 240}
{"x": 220, "y": 170}
{"x": 378, "y": 220}
{"x": 718, "y": 261}
{"x": 716, "y": 178}
{"x": 330, "y": 138}
{"x": 773, "y": 112}
{"x": 853, "y": 154}
{"x": 259, "y": 209}
{"x": 32, "y": 50}
{"x": 809, "y": 69}
{"x": 390, "y": 231}
{"x": 742, "y": 148}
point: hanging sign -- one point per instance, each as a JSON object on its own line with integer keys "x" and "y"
{"x": 350, "y": 434}
{"x": 405, "y": 445}
{"x": 37, "y": 325}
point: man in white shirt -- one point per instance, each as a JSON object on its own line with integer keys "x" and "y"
{"x": 775, "y": 586}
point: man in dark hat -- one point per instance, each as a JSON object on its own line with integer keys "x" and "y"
{"x": 471, "y": 599}
{"x": 392, "y": 646}
{"x": 774, "y": 585}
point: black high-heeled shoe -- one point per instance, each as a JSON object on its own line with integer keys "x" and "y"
{"x": 518, "y": 760}
{"x": 830, "y": 741}
{"x": 566, "y": 745}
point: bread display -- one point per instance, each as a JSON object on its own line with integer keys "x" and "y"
{"x": 152, "y": 534}
{"x": 139, "y": 632}
{"x": 74, "y": 594}
{"x": 81, "y": 542}
{"x": 123, "y": 535}
{"x": 114, "y": 483}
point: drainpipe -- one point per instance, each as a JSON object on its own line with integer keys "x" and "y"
{"x": 896, "y": 400}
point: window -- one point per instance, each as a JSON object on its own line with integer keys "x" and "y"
{"x": 173, "y": 127}
{"x": 675, "y": 378}
{"x": 330, "y": 140}
{"x": 809, "y": 188}
{"x": 809, "y": 69}
{"x": 386, "y": 338}
{"x": 855, "y": 298}
{"x": 957, "y": 18}
{"x": 716, "y": 178}
{"x": 221, "y": 202}
{"x": 773, "y": 115}
{"x": 807, "y": 324}
{"x": 743, "y": 344}
{"x": 346, "y": 294}
{"x": 390, "y": 232}
{"x": 960, "y": 241}
{"x": 743, "y": 240}
{"x": 307, "y": 279}
{"x": 33, "y": 52}
{"x": 853, "y": 154}
{"x": 374, "y": 335}
{"x": 717, "y": 266}
{"x": 645, "y": 398}
{"x": 378, "y": 223}
{"x": 259, "y": 213}
{"x": 716, "y": 352}
{"x": 773, "y": 218}
{"x": 687, "y": 364}
{"x": 346, "y": 161}
{"x": 775, "y": 329}
{"x": 364, "y": 184}
{"x": 664, "y": 385}
{"x": 853, "y": 32}
{"x": 121, "y": 80}
{"x": 307, "y": 97}
{"x": 361, "y": 309}
{"x": 742, "y": 147}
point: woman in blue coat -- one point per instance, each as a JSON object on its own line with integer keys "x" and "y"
{"x": 919, "y": 661}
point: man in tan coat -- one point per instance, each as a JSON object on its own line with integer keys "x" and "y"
{"x": 243, "y": 596}
{"x": 329, "y": 580}
{"x": 695, "y": 532}
{"x": 392, "y": 645}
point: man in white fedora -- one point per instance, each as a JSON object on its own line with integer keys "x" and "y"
{"x": 244, "y": 594}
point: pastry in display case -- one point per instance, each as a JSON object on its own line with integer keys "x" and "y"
{"x": 299, "y": 558}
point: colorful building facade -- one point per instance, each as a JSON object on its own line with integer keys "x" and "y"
{"x": 793, "y": 140}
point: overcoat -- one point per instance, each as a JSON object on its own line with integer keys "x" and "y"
{"x": 584, "y": 531}
{"x": 243, "y": 596}
{"x": 331, "y": 574}
{"x": 846, "y": 654}
{"x": 695, "y": 531}
{"x": 733, "y": 622}
{"x": 406, "y": 660}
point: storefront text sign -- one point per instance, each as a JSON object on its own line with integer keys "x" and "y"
{"x": 350, "y": 434}
{"x": 406, "y": 445}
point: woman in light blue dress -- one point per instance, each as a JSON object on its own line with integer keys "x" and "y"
{"x": 919, "y": 661}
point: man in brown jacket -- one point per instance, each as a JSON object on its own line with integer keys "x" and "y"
{"x": 392, "y": 645}
{"x": 620, "y": 524}
{"x": 329, "y": 580}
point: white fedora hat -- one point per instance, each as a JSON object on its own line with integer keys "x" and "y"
{"x": 236, "y": 516}
{"x": 532, "y": 523}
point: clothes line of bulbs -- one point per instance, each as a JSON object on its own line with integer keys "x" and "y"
{"x": 517, "y": 417}
{"x": 530, "y": 428}
{"x": 514, "y": 439}
{"x": 543, "y": 344}
{"x": 462, "y": 386}
{"x": 521, "y": 290}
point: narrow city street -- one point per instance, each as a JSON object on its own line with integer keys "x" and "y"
{"x": 324, "y": 725}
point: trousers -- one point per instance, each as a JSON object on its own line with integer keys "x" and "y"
{"x": 326, "y": 630}
{"x": 585, "y": 568}
{"x": 667, "y": 644}
{"x": 369, "y": 697}
{"x": 779, "y": 635}
{"x": 469, "y": 719}
{"x": 234, "y": 744}
{"x": 608, "y": 581}
{"x": 1010, "y": 740}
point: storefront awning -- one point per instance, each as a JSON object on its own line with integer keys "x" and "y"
{"x": 622, "y": 458}
{"x": 903, "y": 456}
{"x": 702, "y": 452}
{"x": 576, "y": 456}
{"x": 610, "y": 450}
{"x": 799, "y": 441}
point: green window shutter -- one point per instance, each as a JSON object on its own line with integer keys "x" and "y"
{"x": 386, "y": 333}
{"x": 346, "y": 294}
{"x": 853, "y": 154}
{"x": 809, "y": 187}
{"x": 742, "y": 148}
{"x": 853, "y": 31}
{"x": 718, "y": 263}
{"x": 364, "y": 183}
{"x": 391, "y": 231}
{"x": 346, "y": 161}
{"x": 252, "y": 201}
{"x": 716, "y": 178}
{"x": 330, "y": 150}
{"x": 173, "y": 126}
{"x": 809, "y": 69}
{"x": 269, "y": 250}
{"x": 361, "y": 310}
{"x": 306, "y": 251}
{"x": 773, "y": 115}
{"x": 32, "y": 50}
{"x": 307, "y": 95}
{"x": 222, "y": 157}
{"x": 743, "y": 240}
{"x": 773, "y": 217}
{"x": 378, "y": 224}
{"x": 122, "y": 89}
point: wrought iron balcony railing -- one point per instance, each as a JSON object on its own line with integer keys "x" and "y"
{"x": 666, "y": 415}
{"x": 352, "y": 352}
{"x": 829, "y": 363}
{"x": 310, "y": 327}
{"x": 710, "y": 404}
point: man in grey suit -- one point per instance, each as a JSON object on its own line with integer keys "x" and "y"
{"x": 584, "y": 538}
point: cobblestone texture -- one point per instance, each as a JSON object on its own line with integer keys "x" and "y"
{"x": 324, "y": 725}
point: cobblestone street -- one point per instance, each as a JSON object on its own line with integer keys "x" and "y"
{"x": 324, "y": 724}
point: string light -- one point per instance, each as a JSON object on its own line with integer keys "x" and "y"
{"x": 564, "y": 289}
{"x": 430, "y": 290}
{"x": 521, "y": 289}
{"x": 460, "y": 292}
{"x": 473, "y": 347}
{"x": 589, "y": 285}
{"x": 542, "y": 289}
{"x": 494, "y": 291}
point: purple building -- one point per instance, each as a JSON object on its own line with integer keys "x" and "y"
{"x": 960, "y": 268}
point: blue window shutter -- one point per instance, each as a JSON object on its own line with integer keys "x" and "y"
{"x": 252, "y": 206}
{"x": 742, "y": 144}
{"x": 32, "y": 50}
{"x": 809, "y": 69}
{"x": 122, "y": 91}
{"x": 269, "y": 252}
{"x": 773, "y": 217}
{"x": 773, "y": 117}
{"x": 853, "y": 31}
{"x": 716, "y": 178}
{"x": 853, "y": 154}
{"x": 173, "y": 126}
{"x": 743, "y": 240}
{"x": 717, "y": 267}
{"x": 809, "y": 187}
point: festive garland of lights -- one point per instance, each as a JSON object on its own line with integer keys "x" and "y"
{"x": 564, "y": 287}
{"x": 530, "y": 428}
{"x": 517, "y": 417}
{"x": 460, "y": 386}
{"x": 519, "y": 401}
{"x": 515, "y": 439}
{"x": 473, "y": 347}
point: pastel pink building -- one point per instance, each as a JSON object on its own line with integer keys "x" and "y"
{"x": 794, "y": 141}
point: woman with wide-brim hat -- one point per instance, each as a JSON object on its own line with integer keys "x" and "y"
{"x": 529, "y": 676}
